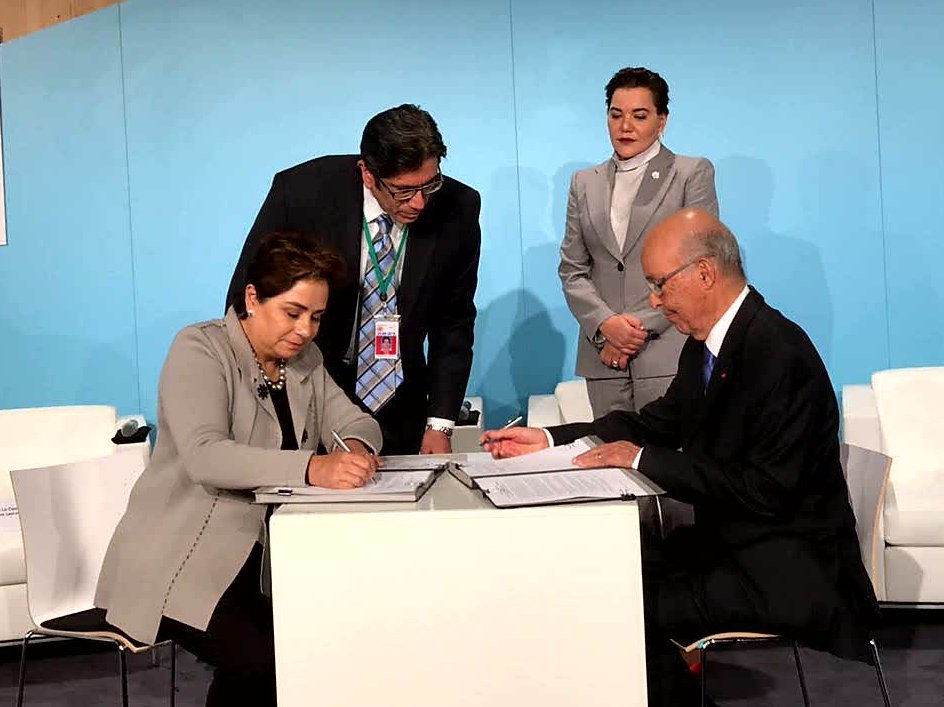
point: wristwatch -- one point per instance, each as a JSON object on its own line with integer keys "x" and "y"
{"x": 598, "y": 340}
{"x": 436, "y": 427}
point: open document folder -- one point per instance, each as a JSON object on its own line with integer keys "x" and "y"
{"x": 393, "y": 485}
{"x": 549, "y": 476}
{"x": 574, "y": 485}
{"x": 559, "y": 458}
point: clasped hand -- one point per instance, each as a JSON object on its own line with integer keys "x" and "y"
{"x": 625, "y": 336}
{"x": 343, "y": 470}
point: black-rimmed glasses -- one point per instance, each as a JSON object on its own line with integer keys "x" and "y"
{"x": 404, "y": 194}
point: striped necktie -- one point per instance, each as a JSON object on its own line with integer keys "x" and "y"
{"x": 377, "y": 379}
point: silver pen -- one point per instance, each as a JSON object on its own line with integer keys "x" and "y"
{"x": 340, "y": 442}
{"x": 512, "y": 422}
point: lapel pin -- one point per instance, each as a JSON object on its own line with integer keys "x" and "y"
{"x": 723, "y": 375}
{"x": 655, "y": 174}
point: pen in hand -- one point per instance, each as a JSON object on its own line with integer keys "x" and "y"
{"x": 343, "y": 445}
{"x": 511, "y": 423}
{"x": 340, "y": 442}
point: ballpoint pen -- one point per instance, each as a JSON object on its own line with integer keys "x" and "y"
{"x": 340, "y": 442}
{"x": 511, "y": 423}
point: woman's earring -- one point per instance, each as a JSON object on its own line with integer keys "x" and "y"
{"x": 249, "y": 313}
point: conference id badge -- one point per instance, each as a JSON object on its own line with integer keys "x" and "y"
{"x": 387, "y": 337}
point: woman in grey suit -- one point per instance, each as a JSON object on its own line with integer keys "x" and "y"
{"x": 627, "y": 351}
{"x": 243, "y": 402}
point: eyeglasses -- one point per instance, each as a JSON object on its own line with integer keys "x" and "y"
{"x": 404, "y": 194}
{"x": 655, "y": 286}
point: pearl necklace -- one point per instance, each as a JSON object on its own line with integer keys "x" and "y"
{"x": 273, "y": 385}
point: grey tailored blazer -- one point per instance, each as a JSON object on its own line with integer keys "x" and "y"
{"x": 189, "y": 526}
{"x": 600, "y": 279}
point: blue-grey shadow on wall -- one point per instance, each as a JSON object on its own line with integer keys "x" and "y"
{"x": 529, "y": 364}
{"x": 787, "y": 271}
{"x": 78, "y": 366}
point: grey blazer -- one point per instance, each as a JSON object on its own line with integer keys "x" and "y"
{"x": 601, "y": 280}
{"x": 189, "y": 526}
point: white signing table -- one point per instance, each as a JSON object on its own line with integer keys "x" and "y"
{"x": 449, "y": 602}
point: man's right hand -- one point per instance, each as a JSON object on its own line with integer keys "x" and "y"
{"x": 513, "y": 442}
{"x": 341, "y": 470}
{"x": 625, "y": 332}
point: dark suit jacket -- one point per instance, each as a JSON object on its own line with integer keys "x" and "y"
{"x": 757, "y": 455}
{"x": 324, "y": 197}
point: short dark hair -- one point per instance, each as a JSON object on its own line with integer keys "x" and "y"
{"x": 284, "y": 258}
{"x": 640, "y": 77}
{"x": 400, "y": 140}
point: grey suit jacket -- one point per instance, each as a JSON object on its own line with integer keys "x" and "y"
{"x": 601, "y": 280}
{"x": 189, "y": 526}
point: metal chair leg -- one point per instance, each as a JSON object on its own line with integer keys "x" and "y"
{"x": 22, "y": 682}
{"x": 704, "y": 676}
{"x": 879, "y": 672}
{"x": 796, "y": 656}
{"x": 173, "y": 674}
{"x": 123, "y": 670}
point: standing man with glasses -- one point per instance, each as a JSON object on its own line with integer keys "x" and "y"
{"x": 410, "y": 238}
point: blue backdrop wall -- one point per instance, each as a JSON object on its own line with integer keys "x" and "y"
{"x": 140, "y": 140}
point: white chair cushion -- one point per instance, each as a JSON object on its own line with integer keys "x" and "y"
{"x": 543, "y": 411}
{"x": 910, "y": 405}
{"x": 34, "y": 437}
{"x": 913, "y": 574}
{"x": 574, "y": 401}
{"x": 914, "y": 510}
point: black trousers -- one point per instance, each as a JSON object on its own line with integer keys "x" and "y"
{"x": 689, "y": 592}
{"x": 238, "y": 641}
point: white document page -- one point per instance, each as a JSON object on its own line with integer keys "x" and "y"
{"x": 416, "y": 462}
{"x": 383, "y": 482}
{"x": 558, "y": 458}
{"x": 575, "y": 485}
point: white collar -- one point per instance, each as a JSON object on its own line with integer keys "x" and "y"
{"x": 372, "y": 207}
{"x": 720, "y": 329}
{"x": 639, "y": 160}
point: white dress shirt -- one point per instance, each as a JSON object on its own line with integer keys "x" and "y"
{"x": 629, "y": 174}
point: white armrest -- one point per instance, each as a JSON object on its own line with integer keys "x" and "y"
{"x": 543, "y": 411}
{"x": 574, "y": 401}
{"x": 860, "y": 422}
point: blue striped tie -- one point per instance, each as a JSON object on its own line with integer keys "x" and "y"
{"x": 377, "y": 379}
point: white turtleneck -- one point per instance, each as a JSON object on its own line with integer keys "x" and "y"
{"x": 629, "y": 174}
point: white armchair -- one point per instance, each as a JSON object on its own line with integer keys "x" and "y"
{"x": 37, "y": 437}
{"x": 901, "y": 414}
{"x": 568, "y": 403}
